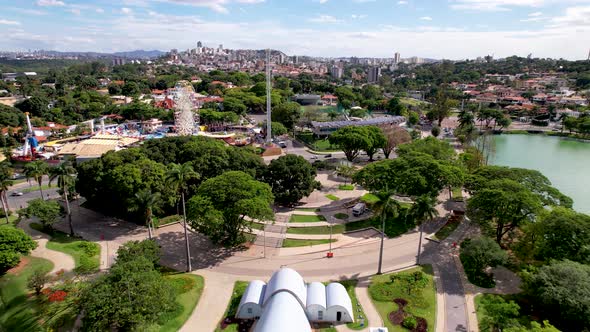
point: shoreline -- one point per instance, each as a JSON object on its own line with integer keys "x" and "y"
{"x": 544, "y": 133}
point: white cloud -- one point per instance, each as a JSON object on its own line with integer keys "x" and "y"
{"x": 402, "y": 2}
{"x": 50, "y": 3}
{"x": 358, "y": 17}
{"x": 494, "y": 5}
{"x": 8, "y": 22}
{"x": 535, "y": 14}
{"x": 126, "y": 11}
{"x": 533, "y": 19}
{"x": 219, "y": 6}
{"x": 29, "y": 11}
{"x": 426, "y": 18}
{"x": 323, "y": 1}
{"x": 99, "y": 10}
{"x": 574, "y": 17}
{"x": 324, "y": 19}
{"x": 75, "y": 11}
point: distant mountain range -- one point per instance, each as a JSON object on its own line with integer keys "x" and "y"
{"x": 137, "y": 54}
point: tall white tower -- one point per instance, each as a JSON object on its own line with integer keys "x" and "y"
{"x": 184, "y": 118}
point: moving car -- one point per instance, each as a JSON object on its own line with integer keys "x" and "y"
{"x": 17, "y": 193}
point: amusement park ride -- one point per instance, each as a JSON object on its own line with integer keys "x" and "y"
{"x": 29, "y": 152}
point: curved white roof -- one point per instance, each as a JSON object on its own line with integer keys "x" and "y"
{"x": 254, "y": 293}
{"x": 286, "y": 279}
{"x": 283, "y": 313}
{"x": 336, "y": 295}
{"x": 316, "y": 294}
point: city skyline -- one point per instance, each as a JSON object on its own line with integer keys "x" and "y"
{"x": 454, "y": 29}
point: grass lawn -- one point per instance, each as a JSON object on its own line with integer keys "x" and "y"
{"x": 35, "y": 187}
{"x": 291, "y": 243}
{"x": 332, "y": 197}
{"x": 11, "y": 219}
{"x": 187, "y": 299}
{"x": 420, "y": 303}
{"x": 167, "y": 220}
{"x": 393, "y": 228}
{"x": 18, "y": 312}
{"x": 306, "y": 218}
{"x": 341, "y": 216}
{"x": 232, "y": 306}
{"x": 446, "y": 230}
{"x": 346, "y": 187}
{"x": 411, "y": 101}
{"x": 308, "y": 209}
{"x": 321, "y": 144}
{"x": 350, "y": 285}
{"x": 370, "y": 198}
{"x": 86, "y": 254}
{"x": 256, "y": 225}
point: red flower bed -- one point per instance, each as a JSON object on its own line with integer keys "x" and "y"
{"x": 57, "y": 296}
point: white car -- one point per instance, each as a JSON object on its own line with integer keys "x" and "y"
{"x": 17, "y": 193}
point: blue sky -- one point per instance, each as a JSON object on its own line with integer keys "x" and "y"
{"x": 451, "y": 29}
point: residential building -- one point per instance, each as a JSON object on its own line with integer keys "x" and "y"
{"x": 374, "y": 75}
{"x": 336, "y": 72}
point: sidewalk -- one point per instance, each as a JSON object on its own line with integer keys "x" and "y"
{"x": 60, "y": 260}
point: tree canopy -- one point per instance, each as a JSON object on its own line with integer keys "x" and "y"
{"x": 13, "y": 243}
{"x": 222, "y": 203}
{"x": 291, "y": 178}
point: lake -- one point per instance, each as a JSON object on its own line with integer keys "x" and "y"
{"x": 565, "y": 162}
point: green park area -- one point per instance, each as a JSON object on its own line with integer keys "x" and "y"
{"x": 317, "y": 144}
{"x": 292, "y": 243}
{"x": 332, "y": 197}
{"x": 188, "y": 288}
{"x": 346, "y": 187}
{"x": 86, "y": 254}
{"x": 406, "y": 300}
{"x": 306, "y": 218}
{"x": 228, "y": 323}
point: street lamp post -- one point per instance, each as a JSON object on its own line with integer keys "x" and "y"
{"x": 330, "y": 254}
{"x": 264, "y": 236}
{"x": 381, "y": 246}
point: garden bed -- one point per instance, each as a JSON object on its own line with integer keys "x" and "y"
{"x": 394, "y": 303}
{"x": 332, "y": 197}
{"x": 306, "y": 218}
{"x": 292, "y": 243}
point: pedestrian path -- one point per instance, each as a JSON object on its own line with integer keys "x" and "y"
{"x": 60, "y": 260}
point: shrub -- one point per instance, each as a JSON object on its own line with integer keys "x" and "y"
{"x": 13, "y": 243}
{"x": 87, "y": 265}
{"x": 132, "y": 249}
{"x": 57, "y": 296}
{"x": 89, "y": 248}
{"x": 37, "y": 281}
{"x": 476, "y": 255}
{"x": 410, "y": 322}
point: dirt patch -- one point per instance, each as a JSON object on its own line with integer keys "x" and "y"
{"x": 401, "y": 302}
{"x": 24, "y": 260}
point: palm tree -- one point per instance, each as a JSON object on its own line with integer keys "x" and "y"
{"x": 424, "y": 209}
{"x": 36, "y": 170}
{"x": 65, "y": 180}
{"x": 386, "y": 208}
{"x": 145, "y": 201}
{"x": 177, "y": 177}
{"x": 5, "y": 183}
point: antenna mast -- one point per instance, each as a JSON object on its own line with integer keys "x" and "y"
{"x": 268, "y": 99}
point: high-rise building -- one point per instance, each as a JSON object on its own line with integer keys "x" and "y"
{"x": 295, "y": 59}
{"x": 199, "y": 44}
{"x": 374, "y": 74}
{"x": 336, "y": 72}
{"x": 396, "y": 58}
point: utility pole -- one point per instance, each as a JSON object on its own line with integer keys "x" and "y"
{"x": 382, "y": 239}
{"x": 268, "y": 99}
{"x": 188, "y": 250}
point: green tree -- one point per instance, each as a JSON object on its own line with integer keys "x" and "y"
{"x": 394, "y": 106}
{"x": 145, "y": 202}
{"x": 499, "y": 314}
{"x": 386, "y": 208}
{"x": 36, "y": 170}
{"x": 439, "y": 150}
{"x": 13, "y": 243}
{"x": 5, "y": 183}
{"x": 178, "y": 177}
{"x": 132, "y": 296}
{"x": 287, "y": 113}
{"x": 411, "y": 282}
{"x": 479, "y": 253}
{"x": 130, "y": 89}
{"x": 423, "y": 210}
{"x": 376, "y": 141}
{"x": 222, "y": 203}
{"x": 413, "y": 118}
{"x": 435, "y": 131}
{"x": 351, "y": 140}
{"x": 441, "y": 107}
{"x": 36, "y": 282}
{"x": 278, "y": 129}
{"x": 559, "y": 233}
{"x": 46, "y": 211}
{"x": 535, "y": 327}
{"x": 234, "y": 105}
{"x": 562, "y": 291}
{"x": 64, "y": 175}
{"x": 502, "y": 206}
{"x": 130, "y": 250}
{"x": 291, "y": 178}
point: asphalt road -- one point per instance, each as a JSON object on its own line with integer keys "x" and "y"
{"x": 18, "y": 202}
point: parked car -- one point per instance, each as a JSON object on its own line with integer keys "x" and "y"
{"x": 328, "y": 156}
{"x": 282, "y": 144}
{"x": 359, "y": 209}
{"x": 313, "y": 157}
{"x": 17, "y": 193}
